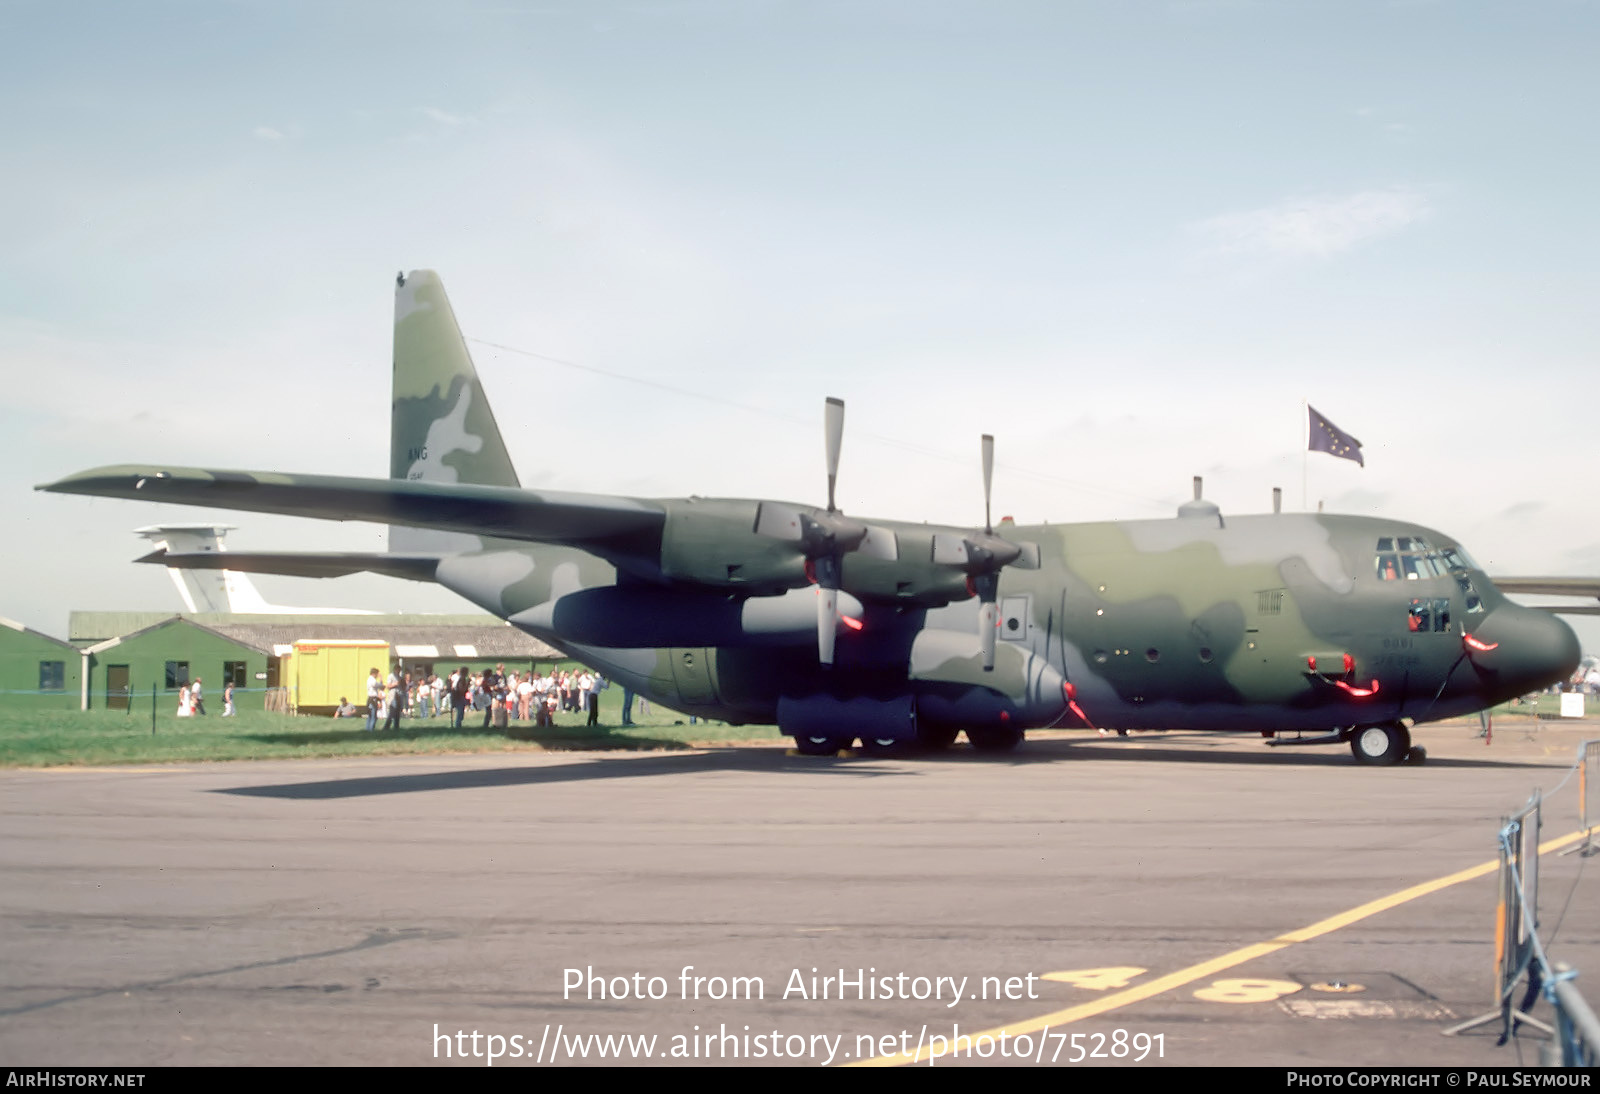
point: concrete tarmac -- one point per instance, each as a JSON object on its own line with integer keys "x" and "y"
{"x": 369, "y": 911}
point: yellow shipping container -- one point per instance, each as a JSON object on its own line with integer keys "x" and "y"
{"x": 321, "y": 671}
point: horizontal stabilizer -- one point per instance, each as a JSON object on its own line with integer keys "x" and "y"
{"x": 606, "y": 526}
{"x": 300, "y": 563}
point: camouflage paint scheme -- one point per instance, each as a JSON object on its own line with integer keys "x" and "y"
{"x": 1199, "y": 622}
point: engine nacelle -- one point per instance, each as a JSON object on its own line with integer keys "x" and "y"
{"x": 713, "y": 542}
{"x": 632, "y": 616}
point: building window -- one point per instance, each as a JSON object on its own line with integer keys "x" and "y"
{"x": 233, "y": 673}
{"x": 52, "y": 675}
{"x": 177, "y": 675}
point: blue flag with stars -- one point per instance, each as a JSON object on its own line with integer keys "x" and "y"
{"x": 1329, "y": 438}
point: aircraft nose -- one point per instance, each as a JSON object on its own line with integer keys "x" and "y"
{"x": 1523, "y": 649}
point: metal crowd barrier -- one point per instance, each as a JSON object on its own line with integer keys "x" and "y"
{"x": 1519, "y": 952}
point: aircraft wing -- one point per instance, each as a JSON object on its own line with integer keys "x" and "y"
{"x": 301, "y": 563}
{"x": 607, "y": 526}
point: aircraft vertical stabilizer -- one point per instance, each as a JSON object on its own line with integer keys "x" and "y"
{"x": 442, "y": 429}
{"x": 206, "y": 586}
{"x": 201, "y": 590}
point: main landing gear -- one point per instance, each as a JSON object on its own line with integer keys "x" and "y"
{"x": 994, "y": 738}
{"x": 929, "y": 739}
{"x": 1385, "y": 745}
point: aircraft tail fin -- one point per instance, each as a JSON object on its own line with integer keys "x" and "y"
{"x": 442, "y": 428}
{"x": 210, "y": 590}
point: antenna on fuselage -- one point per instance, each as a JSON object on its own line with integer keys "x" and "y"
{"x": 1277, "y": 499}
{"x": 1199, "y": 507}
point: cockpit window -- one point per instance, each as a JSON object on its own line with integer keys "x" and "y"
{"x": 1413, "y": 558}
{"x": 1408, "y": 558}
{"x": 1456, "y": 558}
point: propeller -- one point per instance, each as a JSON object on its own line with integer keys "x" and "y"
{"x": 982, "y": 555}
{"x": 825, "y": 537}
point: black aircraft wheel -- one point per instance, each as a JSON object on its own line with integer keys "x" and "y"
{"x": 812, "y": 745}
{"x": 1417, "y": 755}
{"x": 995, "y": 738}
{"x": 936, "y": 737}
{"x": 886, "y": 746}
{"x": 1380, "y": 746}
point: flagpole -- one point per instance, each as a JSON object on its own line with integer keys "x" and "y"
{"x": 1305, "y": 450}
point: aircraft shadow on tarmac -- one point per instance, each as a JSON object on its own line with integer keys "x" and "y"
{"x": 721, "y": 759}
{"x": 557, "y": 738}
{"x": 780, "y": 762}
{"x": 1172, "y": 750}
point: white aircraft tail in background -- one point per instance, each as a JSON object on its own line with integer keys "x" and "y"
{"x": 219, "y": 590}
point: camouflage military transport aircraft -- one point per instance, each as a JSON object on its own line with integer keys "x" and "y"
{"x": 1350, "y": 629}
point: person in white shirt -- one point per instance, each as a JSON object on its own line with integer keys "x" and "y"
{"x": 524, "y": 697}
{"x": 592, "y": 693}
{"x": 374, "y": 698}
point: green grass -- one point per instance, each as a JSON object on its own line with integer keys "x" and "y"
{"x": 45, "y": 738}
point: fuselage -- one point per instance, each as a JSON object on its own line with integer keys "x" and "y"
{"x": 1274, "y": 622}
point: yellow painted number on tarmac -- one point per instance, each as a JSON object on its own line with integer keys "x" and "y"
{"x": 1246, "y": 991}
{"x": 1097, "y": 979}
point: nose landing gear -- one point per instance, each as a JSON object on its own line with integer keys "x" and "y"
{"x": 1385, "y": 745}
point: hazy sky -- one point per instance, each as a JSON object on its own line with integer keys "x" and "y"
{"x": 1127, "y": 238}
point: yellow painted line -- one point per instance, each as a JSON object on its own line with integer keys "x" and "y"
{"x": 1189, "y": 975}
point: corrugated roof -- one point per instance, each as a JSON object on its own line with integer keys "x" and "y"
{"x": 497, "y": 641}
{"x": 14, "y": 625}
{"x": 493, "y": 638}
{"x": 94, "y": 626}
{"x": 177, "y": 620}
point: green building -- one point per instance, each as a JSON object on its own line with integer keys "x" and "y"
{"x": 114, "y": 658}
{"x": 171, "y": 654}
{"x": 38, "y": 672}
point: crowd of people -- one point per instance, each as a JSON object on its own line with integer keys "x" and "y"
{"x": 191, "y": 699}
{"x": 500, "y": 696}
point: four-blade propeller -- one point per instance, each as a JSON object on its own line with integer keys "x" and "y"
{"x": 982, "y": 555}
{"x": 824, "y": 537}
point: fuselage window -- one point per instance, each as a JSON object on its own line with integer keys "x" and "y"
{"x": 1420, "y": 618}
{"x": 1388, "y": 566}
{"x": 1430, "y": 615}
